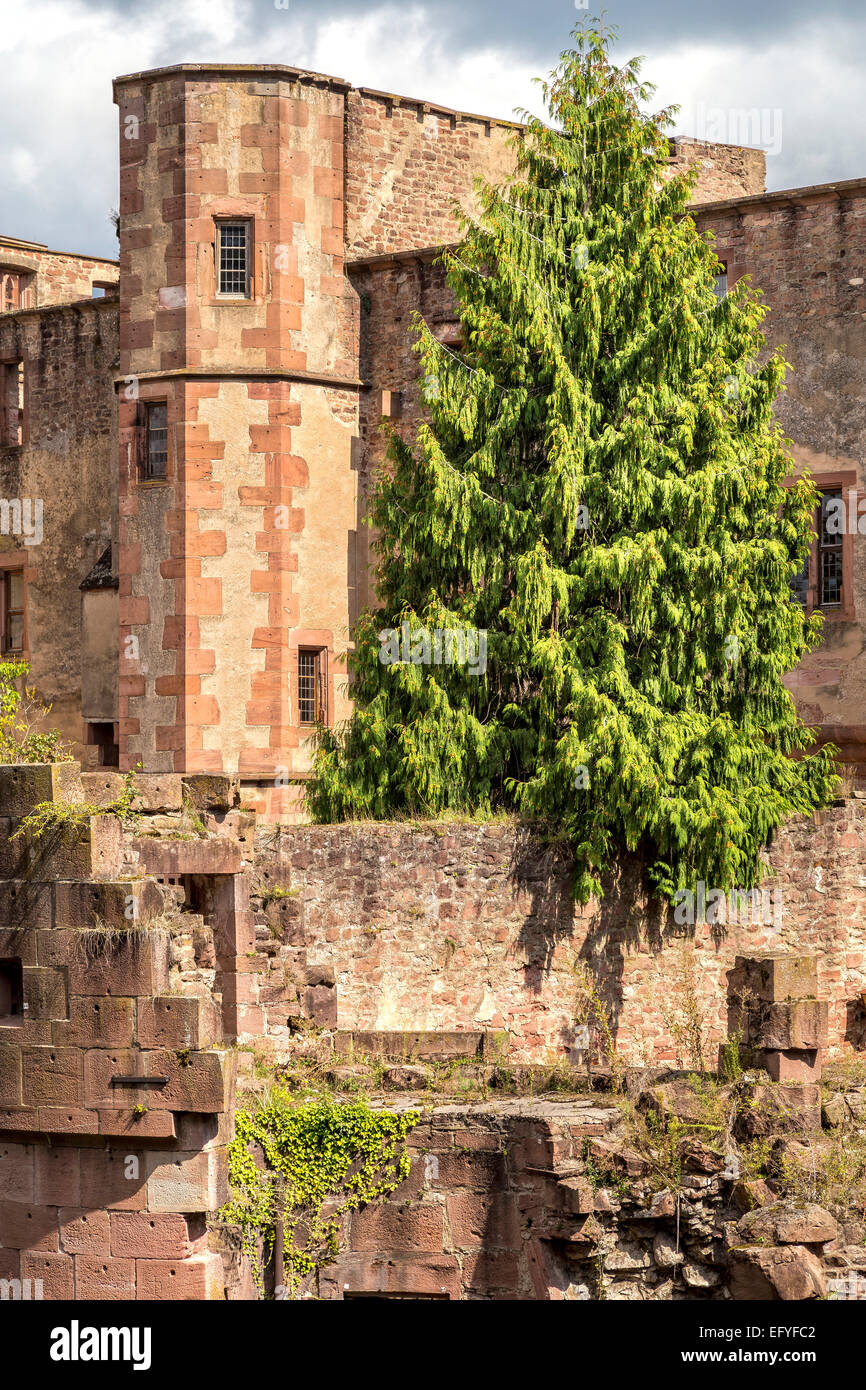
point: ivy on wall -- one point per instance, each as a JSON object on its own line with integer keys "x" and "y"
{"x": 315, "y": 1162}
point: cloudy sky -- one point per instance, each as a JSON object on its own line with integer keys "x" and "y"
{"x": 786, "y": 74}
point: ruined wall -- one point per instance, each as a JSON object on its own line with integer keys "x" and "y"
{"x": 468, "y": 927}
{"x": 115, "y": 1091}
{"x": 59, "y": 277}
{"x": 67, "y": 462}
{"x": 807, "y": 252}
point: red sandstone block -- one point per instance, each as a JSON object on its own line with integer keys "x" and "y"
{"x": 10, "y": 1264}
{"x": 104, "y": 1279}
{"x": 58, "y": 1119}
{"x": 16, "y": 1173}
{"x": 199, "y": 543}
{"x": 124, "y": 969}
{"x": 11, "y": 1093}
{"x": 416, "y": 1227}
{"x": 84, "y": 1232}
{"x": 204, "y": 597}
{"x": 208, "y": 496}
{"x": 100, "y": 1022}
{"x": 55, "y": 1271}
{"x": 134, "y": 611}
{"x": 52, "y": 1075}
{"x": 200, "y": 710}
{"x": 185, "y": 1182}
{"x": 327, "y": 183}
{"x": 791, "y": 1066}
{"x": 489, "y": 1220}
{"x": 491, "y": 1272}
{"x": 126, "y": 1124}
{"x": 778, "y": 976}
{"x": 57, "y": 1175}
{"x": 196, "y": 1279}
{"x": 156, "y": 1235}
{"x": 197, "y": 1081}
{"x": 800, "y": 1024}
{"x": 112, "y": 1179}
{"x": 28, "y": 1226}
{"x": 172, "y": 1022}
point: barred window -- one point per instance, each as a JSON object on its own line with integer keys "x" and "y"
{"x": 824, "y": 580}
{"x": 155, "y": 441}
{"x": 312, "y": 686}
{"x": 830, "y": 551}
{"x": 233, "y": 259}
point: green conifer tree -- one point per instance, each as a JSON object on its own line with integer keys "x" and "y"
{"x": 599, "y": 488}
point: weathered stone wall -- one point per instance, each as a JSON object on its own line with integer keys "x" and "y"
{"x": 806, "y": 251}
{"x": 59, "y": 277}
{"x": 468, "y": 927}
{"x": 115, "y": 1091}
{"x": 68, "y": 463}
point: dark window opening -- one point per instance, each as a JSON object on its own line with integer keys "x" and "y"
{"x": 11, "y": 611}
{"x": 15, "y": 291}
{"x": 103, "y": 738}
{"x": 720, "y": 288}
{"x": 312, "y": 686}
{"x": 233, "y": 259}
{"x": 155, "y": 442}
{"x": 11, "y": 988}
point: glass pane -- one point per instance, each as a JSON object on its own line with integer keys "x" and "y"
{"x": 16, "y": 589}
{"x": 800, "y": 584}
{"x": 16, "y": 632}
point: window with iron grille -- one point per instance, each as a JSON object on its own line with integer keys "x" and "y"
{"x": 822, "y": 583}
{"x": 233, "y": 259}
{"x": 155, "y": 441}
{"x": 830, "y": 551}
{"x": 312, "y": 686}
{"x": 11, "y": 403}
{"x": 11, "y": 611}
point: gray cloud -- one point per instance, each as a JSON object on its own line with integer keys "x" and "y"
{"x": 797, "y": 68}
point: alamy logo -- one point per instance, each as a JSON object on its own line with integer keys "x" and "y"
{"x": 757, "y": 907}
{"x": 22, "y": 518}
{"x": 440, "y": 647}
{"x": 25, "y": 1290}
{"x": 77, "y": 1343}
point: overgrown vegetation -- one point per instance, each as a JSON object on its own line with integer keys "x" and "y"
{"x": 66, "y": 818}
{"x": 23, "y": 737}
{"x": 600, "y": 490}
{"x": 316, "y": 1161}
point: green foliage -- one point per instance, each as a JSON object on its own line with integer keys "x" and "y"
{"x": 314, "y": 1153}
{"x": 67, "y": 818}
{"x": 20, "y": 711}
{"x": 600, "y": 488}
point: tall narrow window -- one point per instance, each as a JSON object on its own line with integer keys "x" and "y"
{"x": 720, "y": 288}
{"x": 11, "y": 403}
{"x": 830, "y": 551}
{"x": 155, "y": 441}
{"x": 312, "y": 686}
{"x": 233, "y": 259}
{"x": 11, "y": 612}
{"x": 15, "y": 291}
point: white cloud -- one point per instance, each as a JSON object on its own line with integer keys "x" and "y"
{"x": 64, "y": 165}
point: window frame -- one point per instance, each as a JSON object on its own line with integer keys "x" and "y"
{"x": 8, "y": 569}
{"x": 222, "y": 224}
{"x": 844, "y": 482}
{"x": 145, "y": 473}
{"x": 319, "y": 676}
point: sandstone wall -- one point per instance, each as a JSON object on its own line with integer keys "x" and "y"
{"x": 807, "y": 253}
{"x": 469, "y": 927}
{"x": 68, "y": 462}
